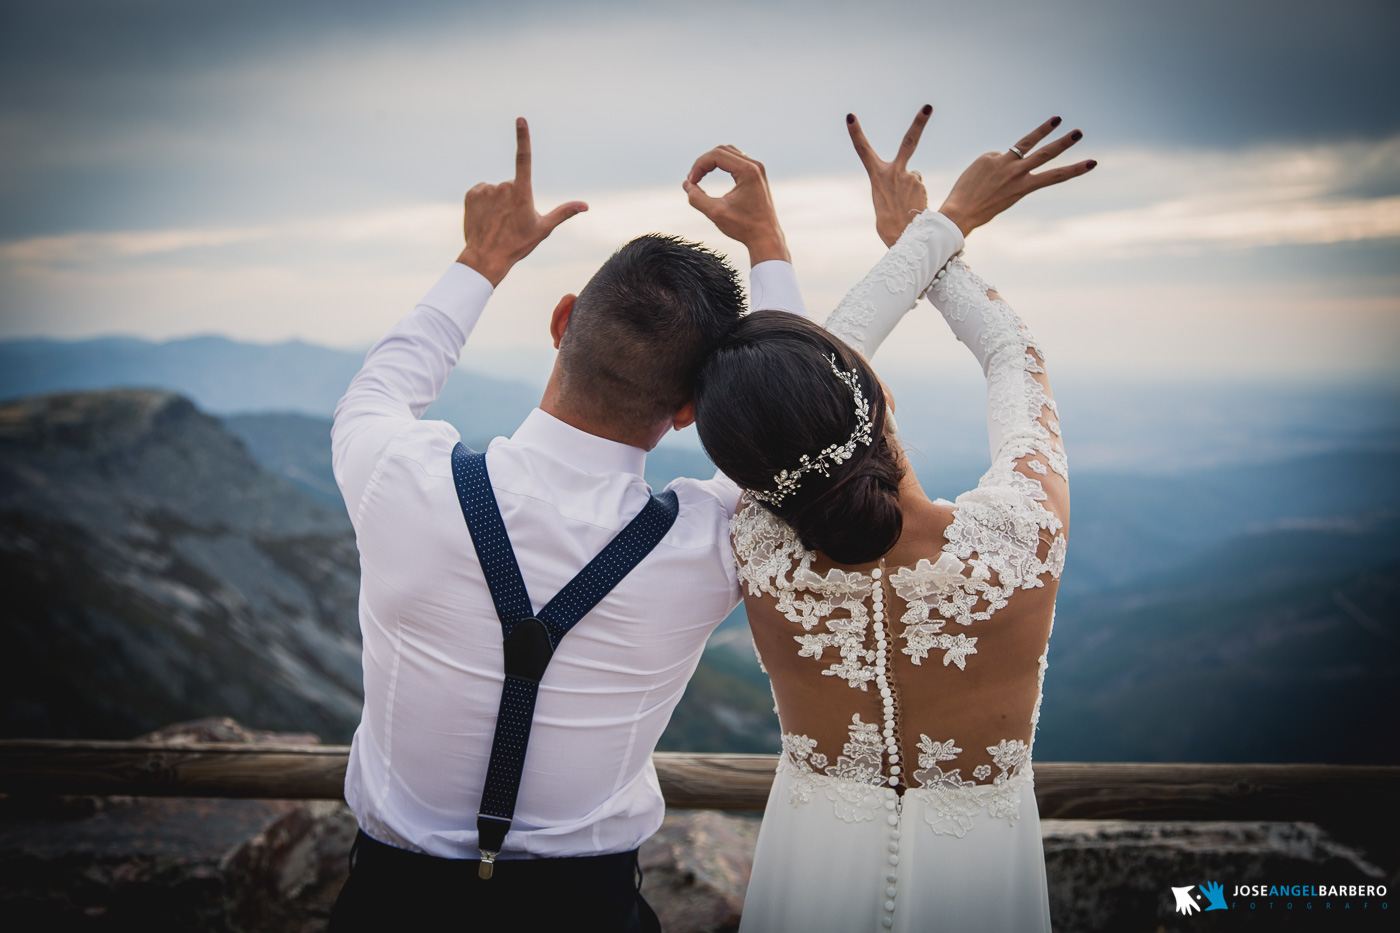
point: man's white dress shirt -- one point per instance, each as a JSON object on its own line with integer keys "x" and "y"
{"x": 433, "y": 660}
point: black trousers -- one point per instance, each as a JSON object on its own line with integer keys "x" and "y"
{"x": 393, "y": 889}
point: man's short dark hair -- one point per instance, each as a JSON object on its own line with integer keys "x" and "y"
{"x": 642, "y": 326}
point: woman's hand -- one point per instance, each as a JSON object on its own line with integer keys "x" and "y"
{"x": 998, "y": 180}
{"x": 898, "y": 193}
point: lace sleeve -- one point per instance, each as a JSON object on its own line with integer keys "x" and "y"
{"x": 872, "y": 308}
{"x": 1014, "y": 517}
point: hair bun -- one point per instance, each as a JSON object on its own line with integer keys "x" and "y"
{"x": 860, "y": 519}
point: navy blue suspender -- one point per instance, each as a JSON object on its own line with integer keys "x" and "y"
{"x": 530, "y": 638}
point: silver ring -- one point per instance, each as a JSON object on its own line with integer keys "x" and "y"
{"x": 1019, "y": 153}
{"x": 916, "y": 174}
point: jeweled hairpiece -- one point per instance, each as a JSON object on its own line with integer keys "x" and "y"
{"x": 787, "y": 482}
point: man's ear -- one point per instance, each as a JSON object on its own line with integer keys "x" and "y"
{"x": 685, "y": 417}
{"x": 560, "y": 318}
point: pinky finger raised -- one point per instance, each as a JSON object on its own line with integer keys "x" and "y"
{"x": 1056, "y": 175}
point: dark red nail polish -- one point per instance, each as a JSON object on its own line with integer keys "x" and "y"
{"x": 1090, "y": 164}
{"x": 1076, "y": 136}
{"x": 928, "y": 109}
{"x": 1054, "y": 122}
{"x": 850, "y": 118}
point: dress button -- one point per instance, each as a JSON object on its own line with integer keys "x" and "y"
{"x": 889, "y": 905}
{"x": 879, "y": 615}
{"x": 890, "y": 891}
{"x": 892, "y": 878}
{"x": 877, "y": 573}
{"x": 894, "y": 859}
{"x": 893, "y": 847}
{"x": 888, "y": 922}
{"x": 892, "y": 819}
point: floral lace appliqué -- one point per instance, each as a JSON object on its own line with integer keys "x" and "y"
{"x": 852, "y": 785}
{"x": 951, "y": 803}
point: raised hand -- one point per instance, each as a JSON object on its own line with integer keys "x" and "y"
{"x": 746, "y": 212}
{"x": 898, "y": 193}
{"x": 500, "y": 223}
{"x": 997, "y": 180}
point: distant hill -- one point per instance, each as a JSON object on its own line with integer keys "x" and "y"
{"x": 1197, "y": 603}
{"x": 223, "y": 376}
{"x": 1301, "y": 671}
{"x": 153, "y": 571}
{"x": 159, "y": 565}
{"x": 293, "y": 446}
{"x": 1169, "y": 580}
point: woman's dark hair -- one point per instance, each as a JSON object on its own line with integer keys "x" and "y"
{"x": 768, "y": 395}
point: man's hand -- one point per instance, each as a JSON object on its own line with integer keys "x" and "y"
{"x": 746, "y": 213}
{"x": 898, "y": 193}
{"x": 500, "y": 223}
{"x": 998, "y": 180}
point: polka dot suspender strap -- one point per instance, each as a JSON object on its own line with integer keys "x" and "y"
{"x": 531, "y": 638}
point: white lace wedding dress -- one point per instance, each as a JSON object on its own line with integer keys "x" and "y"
{"x": 909, "y": 691}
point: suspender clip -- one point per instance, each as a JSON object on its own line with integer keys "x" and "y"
{"x": 488, "y": 862}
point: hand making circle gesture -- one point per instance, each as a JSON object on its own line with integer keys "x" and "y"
{"x": 746, "y": 212}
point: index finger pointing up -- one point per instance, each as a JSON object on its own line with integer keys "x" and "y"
{"x": 522, "y": 154}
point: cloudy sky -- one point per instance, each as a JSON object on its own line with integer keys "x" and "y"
{"x": 271, "y": 170}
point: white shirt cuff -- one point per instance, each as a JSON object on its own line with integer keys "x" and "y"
{"x": 461, "y": 294}
{"x": 773, "y": 287}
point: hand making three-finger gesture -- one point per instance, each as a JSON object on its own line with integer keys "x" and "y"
{"x": 500, "y": 223}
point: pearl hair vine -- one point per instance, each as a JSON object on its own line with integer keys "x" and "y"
{"x": 787, "y": 482}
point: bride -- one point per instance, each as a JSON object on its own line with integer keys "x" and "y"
{"x": 905, "y": 636}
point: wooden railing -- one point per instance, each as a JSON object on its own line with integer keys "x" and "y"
{"x": 1326, "y": 794}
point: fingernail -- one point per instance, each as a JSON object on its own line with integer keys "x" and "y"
{"x": 1054, "y": 122}
{"x": 685, "y": 185}
{"x": 928, "y": 109}
{"x": 1076, "y": 136}
{"x": 520, "y": 123}
{"x": 1090, "y": 164}
{"x": 850, "y": 118}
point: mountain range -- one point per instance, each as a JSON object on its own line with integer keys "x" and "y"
{"x": 1226, "y": 611}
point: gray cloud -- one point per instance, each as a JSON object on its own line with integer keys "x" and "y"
{"x": 168, "y": 113}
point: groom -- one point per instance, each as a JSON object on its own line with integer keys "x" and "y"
{"x": 565, "y": 484}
